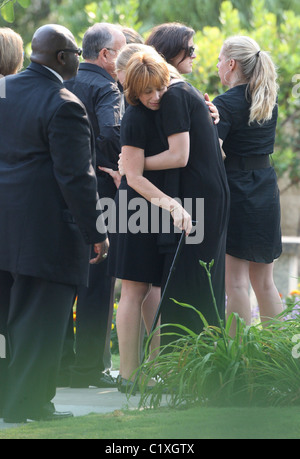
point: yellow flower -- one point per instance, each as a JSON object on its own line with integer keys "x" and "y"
{"x": 295, "y": 292}
{"x": 112, "y": 326}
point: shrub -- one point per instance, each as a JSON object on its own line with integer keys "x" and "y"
{"x": 260, "y": 366}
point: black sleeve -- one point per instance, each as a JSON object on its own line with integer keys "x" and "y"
{"x": 73, "y": 169}
{"x": 175, "y": 101}
{"x": 107, "y": 110}
{"x": 225, "y": 112}
{"x": 134, "y": 128}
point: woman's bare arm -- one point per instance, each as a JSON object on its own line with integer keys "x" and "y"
{"x": 133, "y": 163}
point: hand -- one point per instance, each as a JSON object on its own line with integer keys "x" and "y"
{"x": 182, "y": 219}
{"x": 115, "y": 175}
{"x": 101, "y": 249}
{"x": 120, "y": 164}
{"x": 214, "y": 111}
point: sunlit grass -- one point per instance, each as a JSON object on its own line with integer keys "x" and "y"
{"x": 194, "y": 423}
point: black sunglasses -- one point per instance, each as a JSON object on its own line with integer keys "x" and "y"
{"x": 77, "y": 51}
{"x": 191, "y": 50}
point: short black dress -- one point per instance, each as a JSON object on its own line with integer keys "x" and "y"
{"x": 134, "y": 253}
{"x": 203, "y": 180}
{"x": 254, "y": 231}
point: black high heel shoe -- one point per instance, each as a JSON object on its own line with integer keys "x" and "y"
{"x": 118, "y": 380}
{"x": 127, "y": 387}
{"x": 132, "y": 388}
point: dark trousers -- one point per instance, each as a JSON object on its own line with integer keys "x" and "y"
{"x": 93, "y": 319}
{"x": 34, "y": 315}
{"x": 93, "y": 322}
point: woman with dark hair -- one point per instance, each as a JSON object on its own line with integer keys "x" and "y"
{"x": 183, "y": 111}
{"x": 173, "y": 41}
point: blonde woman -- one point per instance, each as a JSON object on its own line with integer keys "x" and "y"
{"x": 248, "y": 112}
{"x": 11, "y": 52}
{"x": 127, "y": 52}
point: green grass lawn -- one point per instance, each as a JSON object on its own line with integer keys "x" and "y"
{"x": 164, "y": 423}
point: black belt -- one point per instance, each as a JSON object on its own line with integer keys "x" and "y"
{"x": 247, "y": 163}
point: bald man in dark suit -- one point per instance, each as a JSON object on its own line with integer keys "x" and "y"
{"x": 48, "y": 221}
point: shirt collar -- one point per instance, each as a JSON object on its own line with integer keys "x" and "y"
{"x": 55, "y": 73}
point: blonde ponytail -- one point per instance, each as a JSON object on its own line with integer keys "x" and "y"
{"x": 259, "y": 71}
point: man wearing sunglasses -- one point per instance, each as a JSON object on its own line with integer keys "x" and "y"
{"x": 96, "y": 86}
{"x": 47, "y": 222}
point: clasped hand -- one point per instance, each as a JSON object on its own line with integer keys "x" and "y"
{"x": 101, "y": 249}
{"x": 115, "y": 175}
{"x": 213, "y": 109}
{"x": 182, "y": 219}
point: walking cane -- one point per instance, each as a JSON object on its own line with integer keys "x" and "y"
{"x": 158, "y": 312}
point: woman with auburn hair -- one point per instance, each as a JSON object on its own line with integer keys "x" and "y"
{"x": 11, "y": 52}
{"x": 151, "y": 303}
{"x": 134, "y": 254}
{"x": 248, "y": 112}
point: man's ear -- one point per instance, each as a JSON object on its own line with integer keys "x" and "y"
{"x": 61, "y": 58}
{"x": 102, "y": 56}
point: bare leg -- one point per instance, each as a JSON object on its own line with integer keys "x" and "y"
{"x": 268, "y": 298}
{"x": 149, "y": 310}
{"x": 237, "y": 290}
{"x": 128, "y": 321}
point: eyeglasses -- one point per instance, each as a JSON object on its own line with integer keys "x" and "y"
{"x": 77, "y": 51}
{"x": 111, "y": 49}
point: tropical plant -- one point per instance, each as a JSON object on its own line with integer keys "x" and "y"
{"x": 259, "y": 366}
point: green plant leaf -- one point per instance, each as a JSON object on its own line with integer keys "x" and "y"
{"x": 24, "y": 3}
{"x": 185, "y": 305}
{"x": 7, "y": 11}
{"x": 3, "y": 2}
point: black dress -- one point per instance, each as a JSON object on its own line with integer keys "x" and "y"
{"x": 183, "y": 109}
{"x": 254, "y": 231}
{"x": 134, "y": 254}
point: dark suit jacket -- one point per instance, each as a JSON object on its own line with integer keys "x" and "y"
{"x": 48, "y": 187}
{"x": 101, "y": 96}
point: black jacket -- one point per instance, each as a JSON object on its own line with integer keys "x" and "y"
{"x": 101, "y": 96}
{"x": 48, "y": 187}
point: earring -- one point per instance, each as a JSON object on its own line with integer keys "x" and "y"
{"x": 225, "y": 79}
